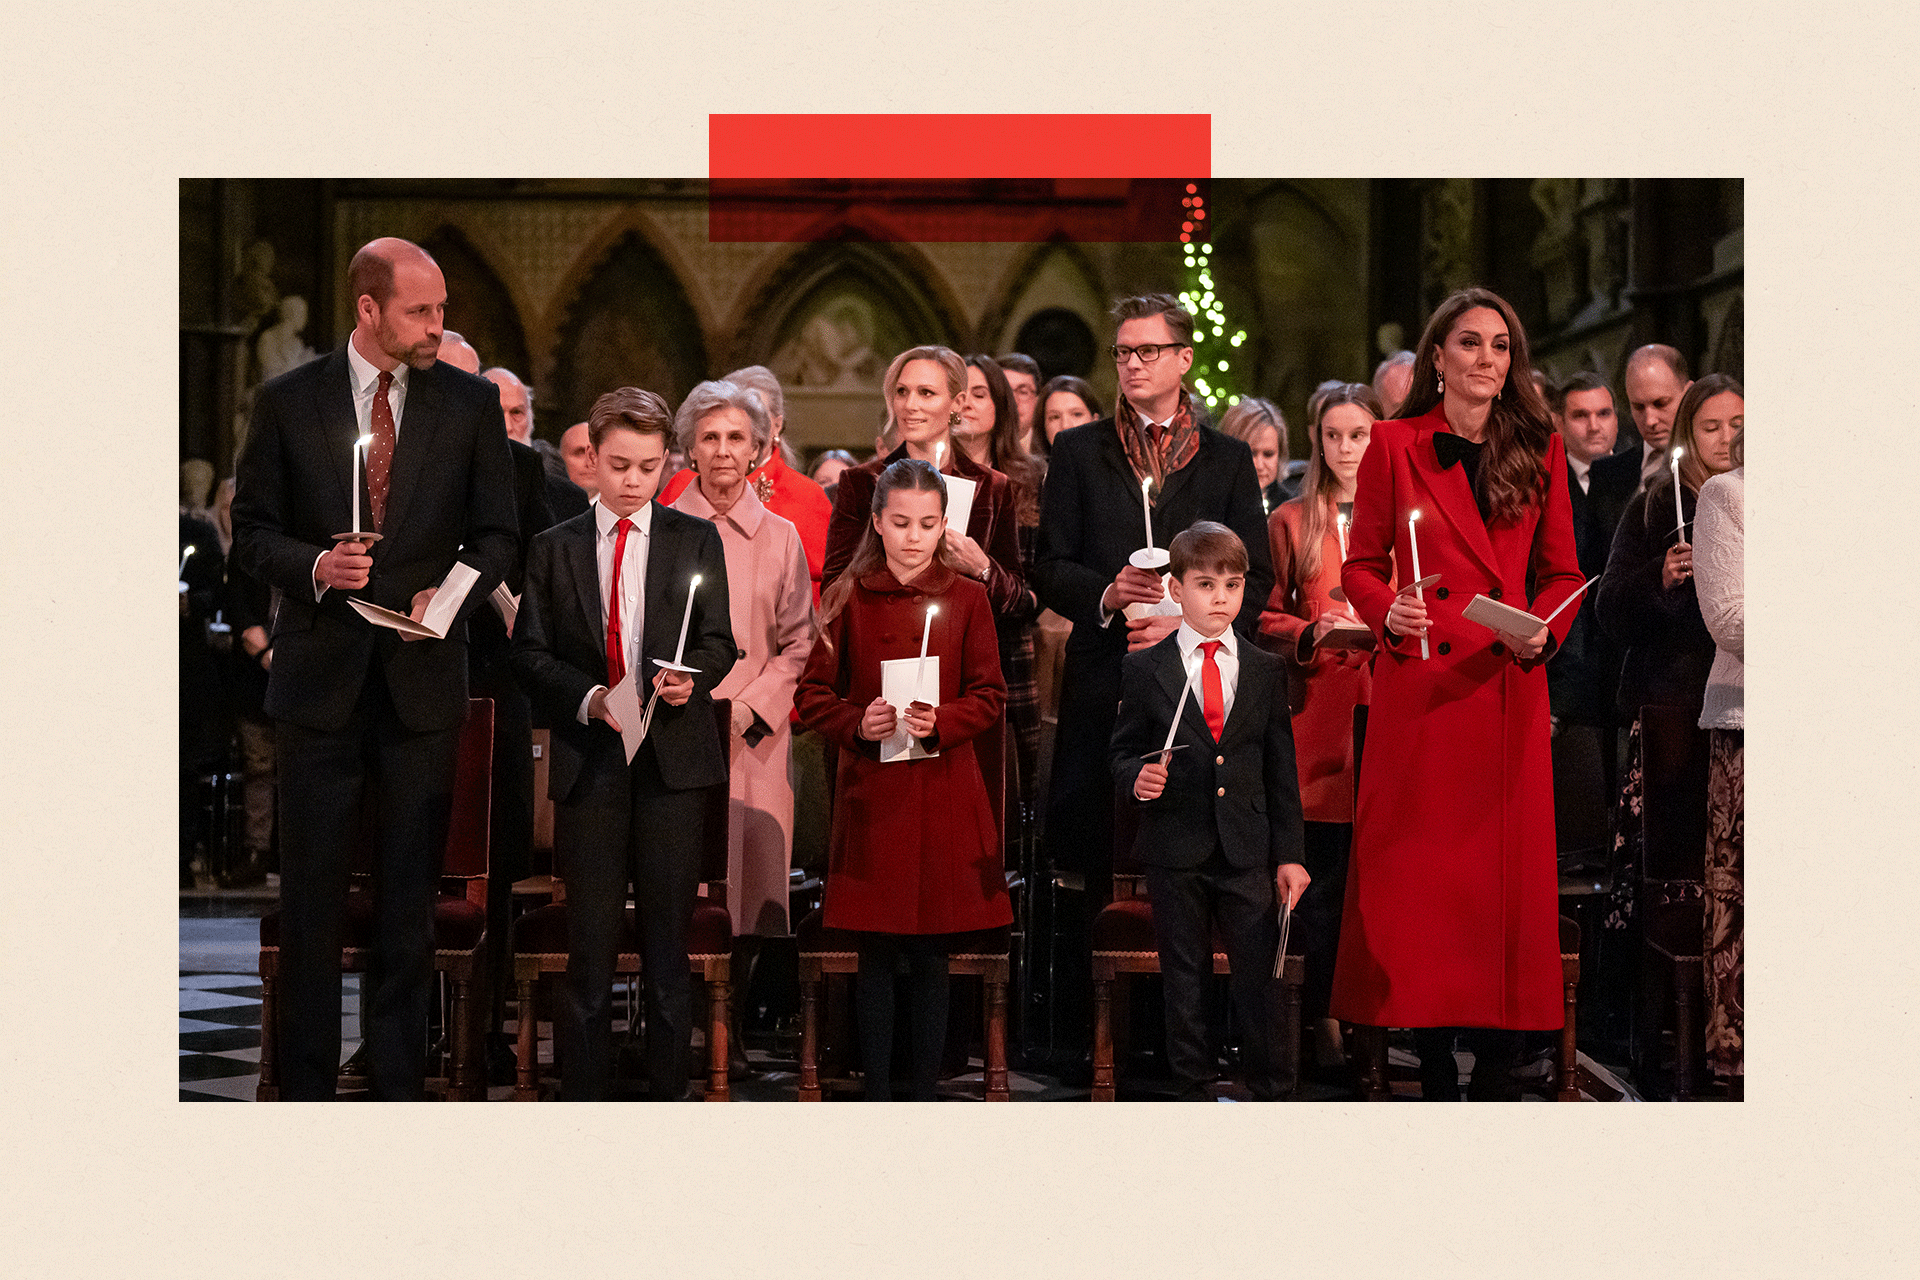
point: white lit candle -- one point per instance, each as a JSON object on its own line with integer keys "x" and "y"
{"x": 359, "y": 471}
{"x": 686, "y": 620}
{"x": 1179, "y": 709}
{"x": 1419, "y": 593}
{"x": 920, "y": 674}
{"x": 1146, "y": 505}
{"x": 1679, "y": 514}
{"x": 183, "y": 559}
{"x": 1340, "y": 523}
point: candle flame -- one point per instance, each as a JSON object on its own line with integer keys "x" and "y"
{"x": 932, "y": 609}
{"x": 1414, "y": 514}
{"x": 695, "y": 583}
{"x": 1145, "y": 482}
{"x": 1677, "y": 451}
{"x": 364, "y": 441}
{"x": 186, "y": 553}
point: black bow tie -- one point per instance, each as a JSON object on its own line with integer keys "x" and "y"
{"x": 1450, "y": 448}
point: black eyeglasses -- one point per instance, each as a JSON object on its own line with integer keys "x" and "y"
{"x": 1147, "y": 351}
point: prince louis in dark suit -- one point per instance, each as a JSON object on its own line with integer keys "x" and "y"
{"x": 615, "y": 581}
{"x": 1220, "y": 830}
{"x": 356, "y": 707}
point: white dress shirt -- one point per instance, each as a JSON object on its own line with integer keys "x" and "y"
{"x": 1228, "y": 660}
{"x": 633, "y": 586}
{"x": 1583, "y": 472}
{"x": 363, "y": 382}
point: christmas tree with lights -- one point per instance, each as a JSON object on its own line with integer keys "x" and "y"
{"x": 1216, "y": 342}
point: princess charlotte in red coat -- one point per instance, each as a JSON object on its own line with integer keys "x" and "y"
{"x": 1451, "y": 915}
{"x": 915, "y": 848}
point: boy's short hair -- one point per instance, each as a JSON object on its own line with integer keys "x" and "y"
{"x": 628, "y": 409}
{"x": 1208, "y": 546}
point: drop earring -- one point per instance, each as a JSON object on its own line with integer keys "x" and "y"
{"x": 953, "y": 418}
{"x": 1439, "y": 382}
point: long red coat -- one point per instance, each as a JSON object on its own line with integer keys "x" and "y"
{"x": 1452, "y": 910}
{"x": 915, "y": 848}
{"x": 1331, "y": 682}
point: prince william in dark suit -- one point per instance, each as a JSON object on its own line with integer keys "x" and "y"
{"x": 358, "y": 710}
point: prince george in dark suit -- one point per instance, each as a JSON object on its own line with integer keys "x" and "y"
{"x": 1220, "y": 829}
{"x": 354, "y": 705}
{"x": 606, "y": 593}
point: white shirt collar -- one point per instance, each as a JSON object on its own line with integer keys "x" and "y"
{"x": 1189, "y": 640}
{"x": 365, "y": 377}
{"x": 605, "y": 519}
{"x": 1580, "y": 468}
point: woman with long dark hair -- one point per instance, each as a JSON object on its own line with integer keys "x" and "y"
{"x": 915, "y": 850}
{"x": 1451, "y": 919}
{"x": 1330, "y": 675}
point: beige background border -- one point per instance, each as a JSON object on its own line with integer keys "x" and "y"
{"x": 108, "y": 1176}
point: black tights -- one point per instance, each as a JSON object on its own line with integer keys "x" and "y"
{"x": 926, "y": 1002}
{"x": 1495, "y": 1053}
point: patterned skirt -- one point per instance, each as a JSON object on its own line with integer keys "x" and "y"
{"x": 1628, "y": 844}
{"x": 1723, "y": 951}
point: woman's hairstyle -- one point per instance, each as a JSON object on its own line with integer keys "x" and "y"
{"x": 1004, "y": 453}
{"x": 950, "y": 363}
{"x": 910, "y": 475}
{"x": 1320, "y": 486}
{"x": 711, "y": 397}
{"x": 757, "y": 377}
{"x": 1693, "y": 471}
{"x": 630, "y": 409}
{"x": 1247, "y": 415}
{"x": 1062, "y": 382}
{"x": 832, "y": 455}
{"x": 1513, "y": 467}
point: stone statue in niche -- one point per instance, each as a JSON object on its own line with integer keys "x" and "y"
{"x": 254, "y": 294}
{"x": 1558, "y": 249}
{"x": 280, "y": 347}
{"x": 1449, "y": 234}
{"x": 834, "y": 349}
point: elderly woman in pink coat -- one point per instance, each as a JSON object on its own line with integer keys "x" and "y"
{"x": 723, "y": 427}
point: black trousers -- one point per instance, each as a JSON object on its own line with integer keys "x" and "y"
{"x": 1317, "y": 915}
{"x": 1186, "y": 907}
{"x": 323, "y": 777}
{"x": 625, "y": 826}
{"x": 927, "y": 993}
{"x": 510, "y": 842}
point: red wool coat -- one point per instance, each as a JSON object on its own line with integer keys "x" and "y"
{"x": 915, "y": 848}
{"x": 1331, "y": 683}
{"x": 1452, "y": 910}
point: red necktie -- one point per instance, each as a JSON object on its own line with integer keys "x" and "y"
{"x": 1213, "y": 698}
{"x": 380, "y": 452}
{"x": 616, "y": 651}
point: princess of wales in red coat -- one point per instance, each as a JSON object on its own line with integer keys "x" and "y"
{"x": 1451, "y": 915}
{"x": 915, "y": 848}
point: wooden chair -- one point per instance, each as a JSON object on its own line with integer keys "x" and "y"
{"x": 1568, "y": 1089}
{"x": 824, "y": 952}
{"x": 540, "y": 949}
{"x": 1124, "y": 944}
{"x": 459, "y": 917}
{"x": 1670, "y": 901}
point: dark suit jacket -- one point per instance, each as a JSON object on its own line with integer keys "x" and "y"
{"x": 450, "y": 497}
{"x": 1583, "y": 673}
{"x": 560, "y": 652}
{"x": 1090, "y": 522}
{"x": 1241, "y": 792}
{"x": 487, "y": 632}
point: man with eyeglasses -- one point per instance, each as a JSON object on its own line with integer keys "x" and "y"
{"x": 1091, "y": 522}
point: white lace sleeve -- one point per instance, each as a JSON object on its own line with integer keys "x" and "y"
{"x": 1718, "y": 560}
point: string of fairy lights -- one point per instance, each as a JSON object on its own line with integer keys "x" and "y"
{"x": 1215, "y": 342}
